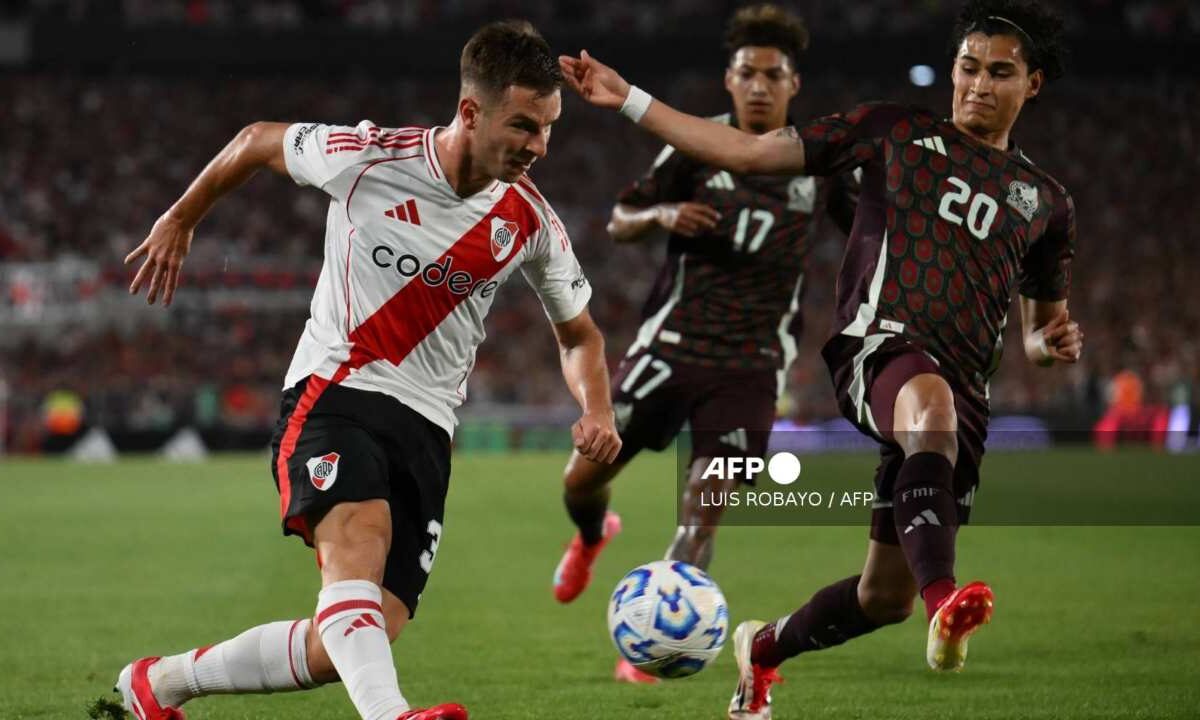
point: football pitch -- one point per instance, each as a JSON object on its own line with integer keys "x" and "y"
{"x": 104, "y": 563}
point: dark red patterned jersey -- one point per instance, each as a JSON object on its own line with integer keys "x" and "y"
{"x": 946, "y": 228}
{"x": 730, "y": 298}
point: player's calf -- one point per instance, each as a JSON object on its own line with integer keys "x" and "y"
{"x": 696, "y": 536}
{"x": 265, "y": 659}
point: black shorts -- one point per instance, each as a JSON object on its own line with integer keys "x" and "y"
{"x": 868, "y": 374}
{"x": 335, "y": 444}
{"x": 730, "y": 412}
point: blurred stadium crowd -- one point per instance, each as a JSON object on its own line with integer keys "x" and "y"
{"x": 87, "y": 162}
{"x": 1142, "y": 17}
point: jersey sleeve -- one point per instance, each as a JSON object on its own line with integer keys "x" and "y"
{"x": 555, "y": 274}
{"x": 666, "y": 181}
{"x": 841, "y": 142}
{"x": 331, "y": 156}
{"x": 1046, "y": 268}
{"x": 842, "y": 205}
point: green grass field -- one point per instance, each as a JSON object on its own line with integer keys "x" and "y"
{"x": 100, "y": 564}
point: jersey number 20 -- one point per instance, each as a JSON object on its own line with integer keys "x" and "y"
{"x": 980, "y": 214}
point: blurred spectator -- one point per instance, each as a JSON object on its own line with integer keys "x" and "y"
{"x": 864, "y": 17}
{"x": 1128, "y": 418}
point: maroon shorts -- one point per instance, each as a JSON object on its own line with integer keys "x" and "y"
{"x": 868, "y": 374}
{"x": 729, "y": 412}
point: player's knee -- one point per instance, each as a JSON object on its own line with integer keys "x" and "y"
{"x": 934, "y": 429}
{"x": 885, "y": 606}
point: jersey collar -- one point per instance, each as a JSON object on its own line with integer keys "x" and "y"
{"x": 437, "y": 174}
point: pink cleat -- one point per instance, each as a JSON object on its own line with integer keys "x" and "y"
{"x": 134, "y": 685}
{"x": 626, "y": 672}
{"x": 574, "y": 571}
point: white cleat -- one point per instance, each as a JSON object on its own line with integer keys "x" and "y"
{"x": 962, "y": 613}
{"x": 752, "y": 699}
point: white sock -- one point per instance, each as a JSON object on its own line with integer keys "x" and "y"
{"x": 264, "y": 659}
{"x": 350, "y": 620}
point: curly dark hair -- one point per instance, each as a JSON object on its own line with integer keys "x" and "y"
{"x": 509, "y": 52}
{"x": 767, "y": 25}
{"x": 1038, "y": 28}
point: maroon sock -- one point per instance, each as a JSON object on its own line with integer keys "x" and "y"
{"x": 926, "y": 516}
{"x": 587, "y": 512}
{"x": 934, "y": 593}
{"x": 830, "y": 618}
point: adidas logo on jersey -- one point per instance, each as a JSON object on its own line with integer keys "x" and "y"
{"x": 932, "y": 143}
{"x": 721, "y": 181}
{"x": 405, "y": 212}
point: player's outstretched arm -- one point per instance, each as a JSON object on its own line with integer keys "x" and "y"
{"x": 1049, "y": 332}
{"x": 711, "y": 143}
{"x": 581, "y": 349}
{"x": 689, "y": 219}
{"x": 256, "y": 146}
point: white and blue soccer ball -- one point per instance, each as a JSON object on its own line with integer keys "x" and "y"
{"x": 668, "y": 619}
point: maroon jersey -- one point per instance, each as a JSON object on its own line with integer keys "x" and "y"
{"x": 730, "y": 298}
{"x": 945, "y": 228}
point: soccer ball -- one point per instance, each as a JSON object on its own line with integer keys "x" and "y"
{"x": 668, "y": 619}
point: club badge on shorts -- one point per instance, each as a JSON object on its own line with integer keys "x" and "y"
{"x": 322, "y": 470}
{"x": 504, "y": 237}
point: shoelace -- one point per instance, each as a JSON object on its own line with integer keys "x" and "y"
{"x": 763, "y": 679}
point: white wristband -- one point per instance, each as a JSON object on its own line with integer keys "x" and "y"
{"x": 1042, "y": 347}
{"x": 637, "y": 102}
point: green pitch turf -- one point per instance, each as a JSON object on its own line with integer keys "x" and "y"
{"x": 101, "y": 564}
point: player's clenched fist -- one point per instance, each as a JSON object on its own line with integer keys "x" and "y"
{"x": 593, "y": 80}
{"x": 164, "y": 249}
{"x": 688, "y": 218}
{"x": 595, "y": 436}
{"x": 1062, "y": 339}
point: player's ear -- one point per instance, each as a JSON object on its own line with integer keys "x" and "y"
{"x": 729, "y": 79}
{"x": 469, "y": 111}
{"x": 796, "y": 82}
{"x": 1036, "y": 79}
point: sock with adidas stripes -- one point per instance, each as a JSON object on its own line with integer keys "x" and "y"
{"x": 350, "y": 621}
{"x": 264, "y": 659}
{"x": 830, "y": 618}
{"x": 926, "y": 517}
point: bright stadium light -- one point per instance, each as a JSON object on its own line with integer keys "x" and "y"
{"x": 921, "y": 75}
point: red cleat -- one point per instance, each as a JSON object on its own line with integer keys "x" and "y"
{"x": 574, "y": 571}
{"x": 134, "y": 685}
{"x": 962, "y": 613}
{"x": 752, "y": 697}
{"x": 449, "y": 711}
{"x": 626, "y": 672}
